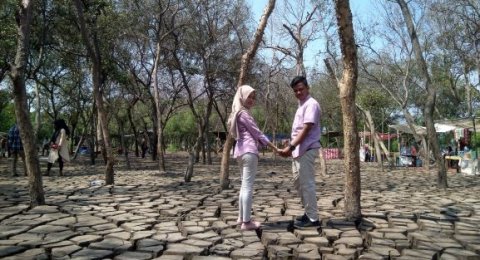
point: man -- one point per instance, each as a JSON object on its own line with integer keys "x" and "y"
{"x": 304, "y": 147}
{"x": 15, "y": 148}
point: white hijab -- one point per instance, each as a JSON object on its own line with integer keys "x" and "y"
{"x": 238, "y": 105}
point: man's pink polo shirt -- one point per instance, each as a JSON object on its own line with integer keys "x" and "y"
{"x": 308, "y": 111}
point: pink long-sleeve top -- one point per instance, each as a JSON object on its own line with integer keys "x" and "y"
{"x": 249, "y": 135}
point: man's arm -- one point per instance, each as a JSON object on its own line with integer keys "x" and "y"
{"x": 298, "y": 139}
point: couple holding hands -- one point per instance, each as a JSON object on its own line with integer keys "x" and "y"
{"x": 303, "y": 148}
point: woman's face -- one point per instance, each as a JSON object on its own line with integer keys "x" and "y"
{"x": 250, "y": 101}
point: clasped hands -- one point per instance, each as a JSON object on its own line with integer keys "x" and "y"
{"x": 284, "y": 152}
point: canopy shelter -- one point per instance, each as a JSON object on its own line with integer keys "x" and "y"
{"x": 442, "y": 128}
{"x": 420, "y": 130}
{"x": 462, "y": 123}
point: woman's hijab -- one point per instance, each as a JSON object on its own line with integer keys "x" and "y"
{"x": 237, "y": 106}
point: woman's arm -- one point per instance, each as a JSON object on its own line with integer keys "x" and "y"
{"x": 248, "y": 121}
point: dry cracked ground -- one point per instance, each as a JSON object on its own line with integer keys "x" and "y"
{"x": 148, "y": 215}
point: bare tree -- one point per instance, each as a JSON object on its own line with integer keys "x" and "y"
{"x": 393, "y": 72}
{"x": 21, "y": 105}
{"x": 245, "y": 63}
{"x": 166, "y": 15}
{"x": 347, "y": 86}
{"x": 300, "y": 24}
{"x": 431, "y": 95}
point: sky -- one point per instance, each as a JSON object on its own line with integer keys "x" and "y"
{"x": 360, "y": 9}
{"x": 357, "y": 6}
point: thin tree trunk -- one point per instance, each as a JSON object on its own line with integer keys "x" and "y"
{"x": 431, "y": 96}
{"x": 93, "y": 51}
{"x": 246, "y": 60}
{"x": 423, "y": 152}
{"x": 92, "y": 141}
{"x": 154, "y": 140}
{"x": 206, "y": 134}
{"x": 124, "y": 143}
{"x": 190, "y": 166}
{"x": 35, "y": 183}
{"x": 158, "y": 109}
{"x": 37, "y": 109}
{"x": 135, "y": 131}
{"x": 80, "y": 142}
{"x": 198, "y": 143}
{"x": 376, "y": 140}
{"x": 347, "y": 86}
{"x": 100, "y": 144}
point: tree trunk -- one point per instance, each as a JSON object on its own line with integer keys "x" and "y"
{"x": 92, "y": 140}
{"x": 35, "y": 183}
{"x": 206, "y": 127}
{"x": 100, "y": 144}
{"x": 198, "y": 143}
{"x": 158, "y": 109}
{"x": 79, "y": 144}
{"x": 190, "y": 166}
{"x": 246, "y": 60}
{"x": 347, "y": 86}
{"x": 300, "y": 67}
{"x": 106, "y": 146}
{"x": 376, "y": 141}
{"x": 431, "y": 96}
{"x": 93, "y": 50}
{"x": 424, "y": 154}
{"x": 37, "y": 110}
{"x": 124, "y": 143}
{"x": 154, "y": 141}
{"x": 135, "y": 131}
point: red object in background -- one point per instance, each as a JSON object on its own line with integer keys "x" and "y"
{"x": 385, "y": 137}
{"x": 331, "y": 153}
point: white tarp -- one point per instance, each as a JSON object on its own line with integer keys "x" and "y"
{"x": 462, "y": 123}
{"x": 442, "y": 128}
{"x": 421, "y": 130}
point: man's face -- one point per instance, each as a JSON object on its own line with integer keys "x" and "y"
{"x": 301, "y": 91}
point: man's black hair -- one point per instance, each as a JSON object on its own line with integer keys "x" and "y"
{"x": 297, "y": 80}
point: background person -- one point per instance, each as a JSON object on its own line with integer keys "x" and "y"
{"x": 58, "y": 146}
{"x": 15, "y": 149}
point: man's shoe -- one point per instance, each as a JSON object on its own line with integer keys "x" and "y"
{"x": 306, "y": 224}
{"x": 239, "y": 220}
{"x": 302, "y": 218}
{"x": 250, "y": 225}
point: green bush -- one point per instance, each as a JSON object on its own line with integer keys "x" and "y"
{"x": 172, "y": 147}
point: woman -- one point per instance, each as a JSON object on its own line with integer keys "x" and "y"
{"x": 58, "y": 146}
{"x": 243, "y": 128}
